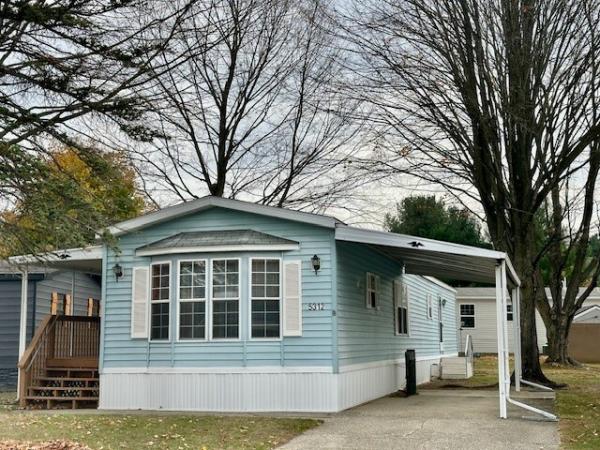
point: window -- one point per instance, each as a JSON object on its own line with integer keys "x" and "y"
{"x": 429, "y": 306}
{"x": 509, "y": 312}
{"x": 401, "y": 307}
{"x": 192, "y": 299}
{"x": 265, "y": 298}
{"x": 372, "y": 290}
{"x": 160, "y": 298}
{"x": 467, "y": 316}
{"x": 225, "y": 298}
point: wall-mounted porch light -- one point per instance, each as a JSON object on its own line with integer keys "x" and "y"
{"x": 316, "y": 263}
{"x": 118, "y": 271}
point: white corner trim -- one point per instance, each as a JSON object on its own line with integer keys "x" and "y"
{"x": 217, "y": 249}
{"x": 217, "y": 370}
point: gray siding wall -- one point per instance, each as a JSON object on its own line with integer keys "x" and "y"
{"x": 10, "y": 307}
{"x": 368, "y": 335}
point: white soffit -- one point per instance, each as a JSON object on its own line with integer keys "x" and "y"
{"x": 86, "y": 259}
{"x": 422, "y": 256}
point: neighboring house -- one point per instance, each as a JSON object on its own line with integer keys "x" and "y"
{"x": 476, "y": 313}
{"x": 41, "y": 284}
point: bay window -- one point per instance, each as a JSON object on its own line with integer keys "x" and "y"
{"x": 192, "y": 299}
{"x": 159, "y": 300}
{"x": 225, "y": 298}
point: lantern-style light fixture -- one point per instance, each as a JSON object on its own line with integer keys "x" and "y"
{"x": 118, "y": 271}
{"x": 316, "y": 263}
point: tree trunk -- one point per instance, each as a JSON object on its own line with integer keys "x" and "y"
{"x": 558, "y": 340}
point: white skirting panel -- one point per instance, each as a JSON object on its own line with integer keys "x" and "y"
{"x": 235, "y": 392}
{"x": 256, "y": 392}
{"x": 362, "y": 383}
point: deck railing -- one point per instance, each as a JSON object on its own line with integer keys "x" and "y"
{"x": 59, "y": 341}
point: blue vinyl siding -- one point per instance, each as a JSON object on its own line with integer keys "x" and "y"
{"x": 368, "y": 335}
{"x": 313, "y": 348}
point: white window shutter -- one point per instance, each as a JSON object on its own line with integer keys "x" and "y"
{"x": 139, "y": 302}
{"x": 292, "y": 298}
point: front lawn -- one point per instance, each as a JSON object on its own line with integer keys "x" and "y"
{"x": 132, "y": 431}
{"x": 578, "y": 405}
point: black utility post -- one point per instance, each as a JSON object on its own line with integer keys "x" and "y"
{"x": 411, "y": 372}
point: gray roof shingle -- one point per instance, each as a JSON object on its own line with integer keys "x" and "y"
{"x": 217, "y": 239}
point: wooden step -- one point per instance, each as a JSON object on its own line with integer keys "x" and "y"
{"x": 58, "y": 399}
{"x": 63, "y": 388}
{"x": 67, "y": 379}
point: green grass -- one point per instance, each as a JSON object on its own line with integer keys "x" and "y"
{"x": 104, "y": 431}
{"x": 577, "y": 405}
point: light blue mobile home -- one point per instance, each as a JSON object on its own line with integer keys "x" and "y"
{"x": 221, "y": 305}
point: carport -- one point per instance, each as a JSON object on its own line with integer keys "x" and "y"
{"x": 447, "y": 260}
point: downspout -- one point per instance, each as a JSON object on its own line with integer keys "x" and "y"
{"x": 23, "y": 320}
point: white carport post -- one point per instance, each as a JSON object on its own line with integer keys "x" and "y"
{"x": 516, "y": 302}
{"x": 23, "y": 322}
{"x": 502, "y": 326}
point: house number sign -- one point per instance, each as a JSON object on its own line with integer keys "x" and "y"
{"x": 316, "y": 306}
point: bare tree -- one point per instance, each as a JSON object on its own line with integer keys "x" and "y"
{"x": 255, "y": 110}
{"x": 61, "y": 62}
{"x": 495, "y": 101}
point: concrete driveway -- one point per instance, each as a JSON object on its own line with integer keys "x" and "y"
{"x": 440, "y": 419}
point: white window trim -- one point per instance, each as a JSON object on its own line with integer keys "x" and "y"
{"x": 377, "y": 291}
{"x": 265, "y": 339}
{"x": 461, "y": 315}
{"x": 205, "y": 300}
{"x": 403, "y": 286}
{"x": 429, "y": 306}
{"x": 212, "y": 299}
{"x": 151, "y": 302}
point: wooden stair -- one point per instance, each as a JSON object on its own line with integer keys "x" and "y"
{"x": 60, "y": 366}
{"x": 74, "y": 387}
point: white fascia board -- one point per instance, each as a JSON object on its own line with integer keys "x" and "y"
{"x": 217, "y": 249}
{"x": 347, "y": 233}
{"x": 441, "y": 284}
{"x": 72, "y": 254}
{"x": 200, "y": 204}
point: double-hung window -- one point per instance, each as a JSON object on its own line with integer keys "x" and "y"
{"x": 467, "y": 316}
{"x": 160, "y": 298}
{"x": 265, "y": 298}
{"x": 192, "y": 299}
{"x": 401, "y": 308}
{"x": 225, "y": 298}
{"x": 372, "y": 299}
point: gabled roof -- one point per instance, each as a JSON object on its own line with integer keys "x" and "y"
{"x": 587, "y": 310}
{"x": 215, "y": 241}
{"x": 183, "y": 209}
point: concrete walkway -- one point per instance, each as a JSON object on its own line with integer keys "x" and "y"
{"x": 440, "y": 419}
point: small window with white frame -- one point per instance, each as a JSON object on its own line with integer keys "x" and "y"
{"x": 401, "y": 310}
{"x": 192, "y": 299}
{"x": 430, "y": 306}
{"x": 372, "y": 298}
{"x": 265, "y": 291}
{"x": 225, "y": 299}
{"x": 509, "y": 313}
{"x": 467, "y": 316}
{"x": 160, "y": 301}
